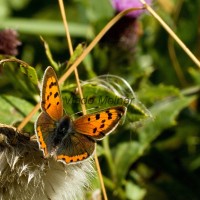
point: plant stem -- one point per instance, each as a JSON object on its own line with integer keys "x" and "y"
{"x": 109, "y": 159}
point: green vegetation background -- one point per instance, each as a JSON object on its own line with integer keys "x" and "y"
{"x": 157, "y": 159}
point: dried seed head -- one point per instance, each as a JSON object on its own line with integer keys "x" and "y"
{"x": 25, "y": 174}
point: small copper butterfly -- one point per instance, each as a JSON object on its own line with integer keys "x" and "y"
{"x": 67, "y": 140}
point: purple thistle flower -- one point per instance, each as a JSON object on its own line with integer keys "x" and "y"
{"x": 120, "y": 5}
{"x": 127, "y": 31}
{"x": 9, "y": 42}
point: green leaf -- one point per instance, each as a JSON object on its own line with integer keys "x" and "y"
{"x": 149, "y": 93}
{"x": 25, "y": 68}
{"x": 164, "y": 113}
{"x": 125, "y": 155}
{"x": 134, "y": 192}
{"x": 195, "y": 75}
{"x": 13, "y": 109}
{"x": 49, "y": 54}
{"x": 77, "y": 52}
{"x": 30, "y": 73}
{"x": 46, "y": 27}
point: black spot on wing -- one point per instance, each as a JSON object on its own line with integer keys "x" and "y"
{"x": 94, "y": 130}
{"x": 49, "y": 105}
{"x": 97, "y": 116}
{"x": 56, "y": 94}
{"x": 109, "y": 116}
{"x": 102, "y": 125}
{"x": 52, "y": 84}
{"x": 103, "y": 121}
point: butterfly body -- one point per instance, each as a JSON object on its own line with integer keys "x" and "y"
{"x": 67, "y": 140}
{"x": 63, "y": 129}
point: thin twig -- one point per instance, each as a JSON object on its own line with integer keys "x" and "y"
{"x": 62, "y": 9}
{"x": 80, "y": 90}
{"x": 28, "y": 117}
{"x": 169, "y": 30}
{"x": 100, "y": 177}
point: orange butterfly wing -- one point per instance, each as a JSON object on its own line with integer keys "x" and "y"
{"x": 45, "y": 129}
{"x": 51, "y": 98}
{"x": 101, "y": 123}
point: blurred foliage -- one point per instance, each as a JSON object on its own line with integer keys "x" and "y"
{"x": 157, "y": 158}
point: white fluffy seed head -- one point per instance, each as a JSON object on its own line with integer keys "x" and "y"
{"x": 25, "y": 174}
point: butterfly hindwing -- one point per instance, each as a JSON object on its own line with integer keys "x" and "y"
{"x": 101, "y": 123}
{"x": 51, "y": 98}
{"x": 75, "y": 148}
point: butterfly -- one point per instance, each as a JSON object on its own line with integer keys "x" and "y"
{"x": 67, "y": 140}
